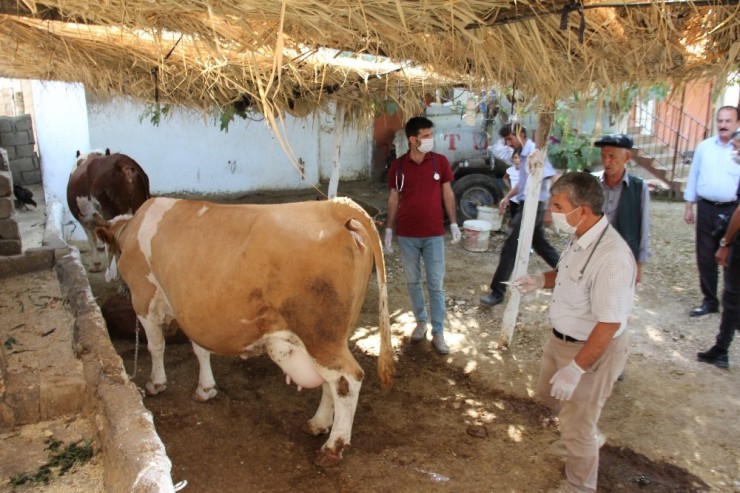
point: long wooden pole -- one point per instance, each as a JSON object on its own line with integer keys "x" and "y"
{"x": 336, "y": 160}
{"x": 536, "y": 167}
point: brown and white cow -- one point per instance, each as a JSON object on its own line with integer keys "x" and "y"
{"x": 107, "y": 185}
{"x": 288, "y": 280}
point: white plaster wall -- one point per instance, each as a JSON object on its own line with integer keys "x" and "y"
{"x": 356, "y": 152}
{"x": 188, "y": 153}
{"x": 60, "y": 117}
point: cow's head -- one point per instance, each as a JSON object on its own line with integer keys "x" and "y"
{"x": 81, "y": 158}
{"x": 109, "y": 232}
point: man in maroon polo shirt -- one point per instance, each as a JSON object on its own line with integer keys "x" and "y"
{"x": 420, "y": 187}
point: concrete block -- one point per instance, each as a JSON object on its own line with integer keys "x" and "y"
{"x": 11, "y": 154}
{"x": 7, "y": 207}
{"x": 30, "y": 177}
{"x": 23, "y": 164}
{"x": 4, "y": 160}
{"x": 14, "y": 139}
{"x": 9, "y": 229}
{"x": 6, "y": 184}
{"x": 6, "y": 125}
{"x": 32, "y": 260}
{"x": 22, "y": 123}
{"x": 24, "y": 151}
{"x": 61, "y": 394}
{"x": 10, "y": 247}
{"x": 22, "y": 397}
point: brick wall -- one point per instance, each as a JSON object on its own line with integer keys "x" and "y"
{"x": 16, "y": 137}
{"x": 10, "y": 237}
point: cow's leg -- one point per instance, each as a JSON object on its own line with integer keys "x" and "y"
{"x": 158, "y": 379}
{"x": 206, "y": 383}
{"x": 345, "y": 389}
{"x": 322, "y": 420}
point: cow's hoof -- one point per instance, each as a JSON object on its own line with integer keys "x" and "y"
{"x": 154, "y": 389}
{"x": 203, "y": 395}
{"x": 328, "y": 458}
{"x": 311, "y": 429}
{"x": 96, "y": 267}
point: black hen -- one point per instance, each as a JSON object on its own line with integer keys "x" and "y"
{"x": 24, "y": 196}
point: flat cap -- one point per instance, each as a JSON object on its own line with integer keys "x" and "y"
{"x": 614, "y": 140}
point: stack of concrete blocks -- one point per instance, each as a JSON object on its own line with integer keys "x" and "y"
{"x": 16, "y": 136}
{"x": 10, "y": 236}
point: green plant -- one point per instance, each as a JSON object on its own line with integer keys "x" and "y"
{"x": 154, "y": 113}
{"x": 62, "y": 459}
{"x": 568, "y": 149}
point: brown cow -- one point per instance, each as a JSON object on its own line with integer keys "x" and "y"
{"x": 288, "y": 280}
{"x": 105, "y": 185}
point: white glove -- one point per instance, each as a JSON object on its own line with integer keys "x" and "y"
{"x": 529, "y": 283}
{"x": 388, "y": 240}
{"x": 456, "y": 235}
{"x": 565, "y": 381}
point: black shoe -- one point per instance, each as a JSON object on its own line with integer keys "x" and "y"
{"x": 702, "y": 310}
{"x": 715, "y": 356}
{"x": 491, "y": 299}
{"x": 620, "y": 378}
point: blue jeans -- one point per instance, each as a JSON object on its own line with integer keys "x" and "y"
{"x": 432, "y": 251}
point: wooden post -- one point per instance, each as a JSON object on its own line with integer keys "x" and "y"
{"x": 336, "y": 162}
{"x": 536, "y": 168}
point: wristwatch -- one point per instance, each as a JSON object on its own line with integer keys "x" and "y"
{"x": 723, "y": 242}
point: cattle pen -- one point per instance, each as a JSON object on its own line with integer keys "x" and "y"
{"x": 462, "y": 422}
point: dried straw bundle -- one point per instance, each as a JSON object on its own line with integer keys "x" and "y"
{"x": 268, "y": 54}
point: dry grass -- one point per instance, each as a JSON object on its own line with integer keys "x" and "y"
{"x": 267, "y": 54}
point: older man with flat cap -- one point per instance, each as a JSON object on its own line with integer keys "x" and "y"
{"x": 626, "y": 197}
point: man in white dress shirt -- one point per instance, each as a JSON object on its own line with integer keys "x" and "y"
{"x": 712, "y": 185}
{"x": 593, "y": 290}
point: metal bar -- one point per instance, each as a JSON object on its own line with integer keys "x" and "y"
{"x": 559, "y": 9}
{"x": 678, "y": 133}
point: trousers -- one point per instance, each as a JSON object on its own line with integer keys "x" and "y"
{"x": 707, "y": 220}
{"x": 579, "y": 416}
{"x": 730, "y": 321}
{"x": 508, "y": 250}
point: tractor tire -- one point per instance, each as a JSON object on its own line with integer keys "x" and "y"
{"x": 474, "y": 190}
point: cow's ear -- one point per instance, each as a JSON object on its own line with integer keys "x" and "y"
{"x": 78, "y": 153}
{"x": 104, "y": 234}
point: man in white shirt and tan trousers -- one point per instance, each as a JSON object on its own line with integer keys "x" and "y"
{"x": 593, "y": 292}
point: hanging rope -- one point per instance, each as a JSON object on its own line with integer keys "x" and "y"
{"x": 155, "y": 70}
{"x": 567, "y": 9}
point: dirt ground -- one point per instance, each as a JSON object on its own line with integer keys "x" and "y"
{"x": 467, "y": 421}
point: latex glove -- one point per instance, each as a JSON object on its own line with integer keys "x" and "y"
{"x": 529, "y": 283}
{"x": 456, "y": 235}
{"x": 565, "y": 381}
{"x": 388, "y": 240}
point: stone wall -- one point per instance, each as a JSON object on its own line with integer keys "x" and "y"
{"x": 10, "y": 236}
{"x": 16, "y": 136}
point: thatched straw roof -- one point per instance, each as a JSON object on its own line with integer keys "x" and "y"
{"x": 271, "y": 54}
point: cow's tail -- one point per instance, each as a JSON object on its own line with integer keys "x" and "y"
{"x": 386, "y": 362}
{"x": 385, "y": 358}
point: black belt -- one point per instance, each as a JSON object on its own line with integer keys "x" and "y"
{"x": 564, "y": 337}
{"x": 719, "y": 204}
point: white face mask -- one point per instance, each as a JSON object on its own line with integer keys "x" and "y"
{"x": 735, "y": 155}
{"x": 560, "y": 220}
{"x": 426, "y": 145}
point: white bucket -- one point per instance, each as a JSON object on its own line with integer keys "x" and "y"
{"x": 490, "y": 214}
{"x": 475, "y": 235}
